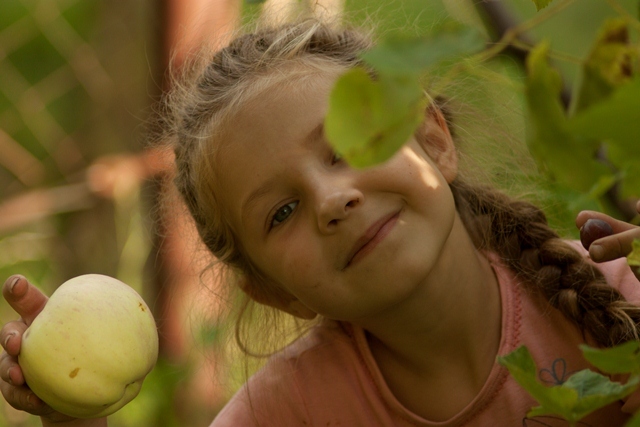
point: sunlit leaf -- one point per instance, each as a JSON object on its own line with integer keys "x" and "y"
{"x": 622, "y": 359}
{"x": 564, "y": 157}
{"x": 402, "y": 54}
{"x": 596, "y": 391}
{"x": 608, "y": 65}
{"x": 633, "y": 258}
{"x": 584, "y": 392}
{"x": 541, "y": 4}
{"x": 368, "y": 121}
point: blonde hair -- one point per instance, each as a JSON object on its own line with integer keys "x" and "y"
{"x": 200, "y": 110}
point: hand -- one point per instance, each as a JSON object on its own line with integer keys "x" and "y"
{"x": 616, "y": 245}
{"x": 27, "y": 301}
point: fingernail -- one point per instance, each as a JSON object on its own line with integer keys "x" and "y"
{"x": 6, "y": 340}
{"x": 9, "y": 376}
{"x": 13, "y": 283}
{"x": 596, "y": 251}
{"x": 32, "y": 399}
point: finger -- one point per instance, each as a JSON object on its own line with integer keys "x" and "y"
{"x": 617, "y": 225}
{"x": 23, "y": 297}
{"x": 23, "y": 399}
{"x": 10, "y": 370}
{"x": 614, "y": 246}
{"x": 11, "y": 336}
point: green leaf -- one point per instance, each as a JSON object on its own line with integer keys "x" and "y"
{"x": 565, "y": 157}
{"x": 634, "y": 421}
{"x": 401, "y": 54}
{"x": 541, "y": 4}
{"x": 633, "y": 259}
{"x": 630, "y": 183}
{"x": 583, "y": 393}
{"x": 616, "y": 118}
{"x": 596, "y": 391}
{"x": 608, "y": 65}
{"x": 621, "y": 359}
{"x": 553, "y": 400}
{"x": 368, "y": 121}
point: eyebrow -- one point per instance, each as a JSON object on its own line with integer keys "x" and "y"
{"x": 249, "y": 204}
{"x": 315, "y": 134}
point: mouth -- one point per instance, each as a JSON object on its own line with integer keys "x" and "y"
{"x": 370, "y": 239}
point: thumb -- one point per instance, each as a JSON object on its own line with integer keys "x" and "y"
{"x": 27, "y": 300}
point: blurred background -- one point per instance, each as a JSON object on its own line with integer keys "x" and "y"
{"x": 82, "y": 192}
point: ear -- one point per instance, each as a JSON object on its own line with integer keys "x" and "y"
{"x": 277, "y": 298}
{"x": 435, "y": 139}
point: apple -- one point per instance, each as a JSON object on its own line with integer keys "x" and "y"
{"x": 88, "y": 351}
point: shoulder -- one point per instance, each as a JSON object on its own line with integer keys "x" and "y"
{"x": 278, "y": 394}
{"x": 616, "y": 272}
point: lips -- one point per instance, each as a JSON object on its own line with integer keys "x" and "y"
{"x": 370, "y": 239}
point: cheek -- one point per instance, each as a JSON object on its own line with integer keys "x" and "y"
{"x": 292, "y": 262}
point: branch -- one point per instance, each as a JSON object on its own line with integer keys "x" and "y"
{"x": 499, "y": 22}
{"x": 109, "y": 177}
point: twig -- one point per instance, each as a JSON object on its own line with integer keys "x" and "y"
{"x": 512, "y": 39}
{"x": 38, "y": 204}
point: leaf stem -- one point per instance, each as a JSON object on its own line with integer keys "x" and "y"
{"x": 510, "y": 36}
{"x": 631, "y": 20}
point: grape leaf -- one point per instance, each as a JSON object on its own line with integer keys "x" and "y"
{"x": 402, "y": 54}
{"x": 622, "y": 359}
{"x": 616, "y": 120}
{"x": 541, "y": 4}
{"x": 523, "y": 369}
{"x": 608, "y": 65}
{"x": 564, "y": 157}
{"x": 368, "y": 121}
{"x": 584, "y": 392}
{"x": 633, "y": 259}
{"x": 603, "y": 120}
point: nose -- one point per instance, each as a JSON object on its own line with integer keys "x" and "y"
{"x": 335, "y": 204}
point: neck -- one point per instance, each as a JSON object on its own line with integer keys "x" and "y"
{"x": 449, "y": 330}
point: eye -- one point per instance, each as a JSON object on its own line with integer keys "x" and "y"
{"x": 282, "y": 214}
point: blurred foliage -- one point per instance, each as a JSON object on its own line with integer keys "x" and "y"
{"x": 588, "y": 159}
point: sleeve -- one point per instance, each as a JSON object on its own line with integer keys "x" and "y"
{"x": 270, "y": 398}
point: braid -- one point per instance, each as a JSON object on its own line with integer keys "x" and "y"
{"x": 519, "y": 233}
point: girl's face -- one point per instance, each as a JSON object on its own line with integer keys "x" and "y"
{"x": 346, "y": 243}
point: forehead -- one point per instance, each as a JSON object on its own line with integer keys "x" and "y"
{"x": 270, "y": 127}
{"x": 289, "y": 92}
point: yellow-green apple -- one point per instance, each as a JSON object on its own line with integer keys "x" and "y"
{"x": 88, "y": 351}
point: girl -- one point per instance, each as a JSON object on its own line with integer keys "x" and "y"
{"x": 419, "y": 278}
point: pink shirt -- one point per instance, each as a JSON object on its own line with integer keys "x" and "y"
{"x": 330, "y": 378}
